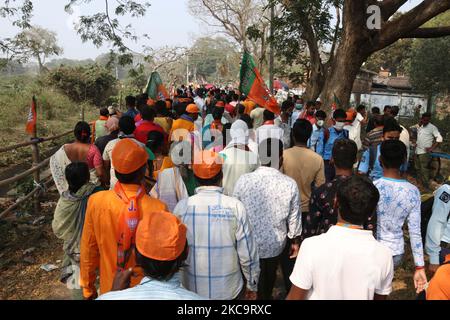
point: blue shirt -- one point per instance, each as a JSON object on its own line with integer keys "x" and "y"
{"x": 315, "y": 136}
{"x": 151, "y": 289}
{"x": 131, "y": 113}
{"x": 439, "y": 225}
{"x": 377, "y": 170}
{"x": 325, "y": 148}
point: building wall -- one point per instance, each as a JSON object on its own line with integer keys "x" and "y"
{"x": 406, "y": 101}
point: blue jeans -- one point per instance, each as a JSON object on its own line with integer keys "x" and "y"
{"x": 398, "y": 259}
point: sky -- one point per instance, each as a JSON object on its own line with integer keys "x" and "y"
{"x": 167, "y": 22}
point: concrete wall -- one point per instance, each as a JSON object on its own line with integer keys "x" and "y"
{"x": 406, "y": 101}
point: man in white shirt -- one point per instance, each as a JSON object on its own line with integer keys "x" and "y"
{"x": 238, "y": 158}
{"x": 428, "y": 138}
{"x": 359, "y": 121}
{"x": 404, "y": 135}
{"x": 271, "y": 200}
{"x": 268, "y": 129}
{"x": 346, "y": 262}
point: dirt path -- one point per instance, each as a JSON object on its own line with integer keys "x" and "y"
{"x": 22, "y": 278}
{"x": 20, "y": 274}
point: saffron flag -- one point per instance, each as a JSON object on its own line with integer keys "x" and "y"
{"x": 32, "y": 118}
{"x": 254, "y": 87}
{"x": 155, "y": 88}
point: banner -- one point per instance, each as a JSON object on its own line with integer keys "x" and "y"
{"x": 253, "y": 86}
{"x": 155, "y": 88}
{"x": 32, "y": 118}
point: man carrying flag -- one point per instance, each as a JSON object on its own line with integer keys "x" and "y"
{"x": 32, "y": 119}
{"x": 155, "y": 88}
{"x": 254, "y": 87}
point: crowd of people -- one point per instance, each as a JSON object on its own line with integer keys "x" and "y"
{"x": 205, "y": 196}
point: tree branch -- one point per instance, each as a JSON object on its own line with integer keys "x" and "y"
{"x": 429, "y": 33}
{"x": 335, "y": 38}
{"x": 389, "y": 7}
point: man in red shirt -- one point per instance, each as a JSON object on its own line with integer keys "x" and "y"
{"x": 147, "y": 125}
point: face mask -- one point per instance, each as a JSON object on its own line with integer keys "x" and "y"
{"x": 299, "y": 106}
{"x": 320, "y": 123}
{"x": 339, "y": 125}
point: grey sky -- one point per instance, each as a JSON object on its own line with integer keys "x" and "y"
{"x": 167, "y": 22}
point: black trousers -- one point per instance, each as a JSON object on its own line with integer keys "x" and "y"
{"x": 330, "y": 171}
{"x": 287, "y": 265}
{"x": 267, "y": 277}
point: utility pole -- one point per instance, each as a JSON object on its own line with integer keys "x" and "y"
{"x": 272, "y": 17}
{"x": 187, "y": 70}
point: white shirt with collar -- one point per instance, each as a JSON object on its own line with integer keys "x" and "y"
{"x": 343, "y": 264}
{"x": 426, "y": 136}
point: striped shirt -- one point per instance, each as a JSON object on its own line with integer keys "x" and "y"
{"x": 151, "y": 289}
{"x": 221, "y": 244}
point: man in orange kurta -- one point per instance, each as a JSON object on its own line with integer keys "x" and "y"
{"x": 105, "y": 210}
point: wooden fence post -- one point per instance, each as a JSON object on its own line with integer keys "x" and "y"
{"x": 36, "y": 174}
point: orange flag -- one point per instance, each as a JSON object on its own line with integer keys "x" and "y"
{"x": 253, "y": 86}
{"x": 32, "y": 118}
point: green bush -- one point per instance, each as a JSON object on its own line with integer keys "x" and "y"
{"x": 91, "y": 83}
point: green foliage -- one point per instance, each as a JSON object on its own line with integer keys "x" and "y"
{"x": 395, "y": 58}
{"x": 429, "y": 68}
{"x": 100, "y": 28}
{"x": 56, "y": 114}
{"x": 91, "y": 83}
{"x": 214, "y": 58}
{"x": 105, "y": 27}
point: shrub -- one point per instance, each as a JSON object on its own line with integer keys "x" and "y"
{"x": 91, "y": 83}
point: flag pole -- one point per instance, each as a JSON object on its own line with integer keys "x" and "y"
{"x": 36, "y": 160}
{"x": 271, "y": 58}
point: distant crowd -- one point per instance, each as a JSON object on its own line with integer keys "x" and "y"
{"x": 207, "y": 195}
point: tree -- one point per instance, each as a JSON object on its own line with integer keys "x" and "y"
{"x": 395, "y": 58}
{"x": 234, "y": 18}
{"x": 91, "y": 83}
{"x": 214, "y": 58}
{"x": 38, "y": 43}
{"x": 99, "y": 27}
{"x": 429, "y": 67}
{"x": 367, "y": 27}
{"x": 301, "y": 32}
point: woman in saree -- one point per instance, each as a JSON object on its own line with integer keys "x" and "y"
{"x": 79, "y": 151}
{"x": 68, "y": 221}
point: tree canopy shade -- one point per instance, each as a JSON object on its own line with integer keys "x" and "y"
{"x": 367, "y": 27}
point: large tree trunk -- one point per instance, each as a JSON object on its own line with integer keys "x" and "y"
{"x": 315, "y": 83}
{"x": 353, "y": 50}
{"x": 342, "y": 75}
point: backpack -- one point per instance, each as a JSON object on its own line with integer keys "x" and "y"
{"x": 326, "y": 135}
{"x": 373, "y": 150}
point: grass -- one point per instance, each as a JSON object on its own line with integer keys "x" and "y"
{"x": 56, "y": 114}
